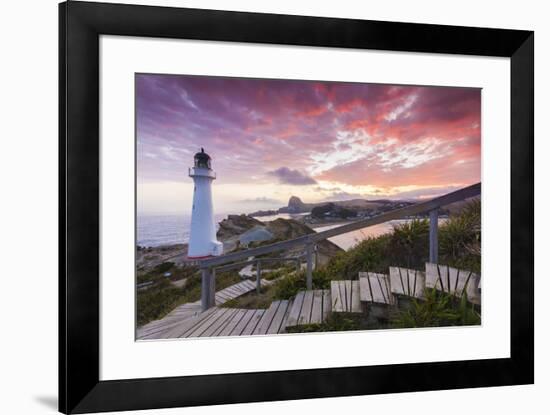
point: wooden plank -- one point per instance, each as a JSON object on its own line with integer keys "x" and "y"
{"x": 346, "y": 295}
{"x": 364, "y": 288}
{"x": 317, "y": 307}
{"x": 355, "y": 303}
{"x": 282, "y": 328}
{"x": 243, "y": 323}
{"x": 267, "y": 317}
{"x": 408, "y": 282}
{"x": 454, "y": 281}
{"x": 249, "y": 329}
{"x": 231, "y": 324}
{"x": 347, "y": 286}
{"x": 473, "y": 289}
{"x": 468, "y": 283}
{"x": 296, "y": 309}
{"x": 168, "y": 325}
{"x": 397, "y": 283}
{"x": 275, "y": 325}
{"x": 418, "y": 283}
{"x": 242, "y": 289}
{"x": 335, "y": 293}
{"x": 219, "y": 323}
{"x": 305, "y": 314}
{"x": 179, "y": 329}
{"x": 176, "y": 330}
{"x": 223, "y": 296}
{"x": 327, "y": 306}
{"x": 221, "y": 326}
{"x": 205, "y": 324}
{"x": 248, "y": 284}
{"x": 232, "y": 292}
{"x": 432, "y": 275}
{"x": 377, "y": 292}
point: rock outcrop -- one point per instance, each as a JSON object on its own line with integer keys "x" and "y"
{"x": 241, "y": 231}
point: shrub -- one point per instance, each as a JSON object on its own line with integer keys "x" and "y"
{"x": 334, "y": 322}
{"x": 289, "y": 285}
{"x": 162, "y": 268}
{"x": 460, "y": 238}
{"x": 437, "y": 310}
{"x": 370, "y": 254}
{"x": 409, "y": 244}
{"x": 157, "y": 301}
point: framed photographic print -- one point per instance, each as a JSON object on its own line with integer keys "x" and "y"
{"x": 261, "y": 207}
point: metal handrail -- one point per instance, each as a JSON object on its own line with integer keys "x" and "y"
{"x": 464, "y": 193}
{"x": 241, "y": 264}
{"x": 432, "y": 206}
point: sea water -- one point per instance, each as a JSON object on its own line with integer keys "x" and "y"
{"x": 157, "y": 230}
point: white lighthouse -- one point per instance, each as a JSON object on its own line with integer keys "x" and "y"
{"x": 202, "y": 239}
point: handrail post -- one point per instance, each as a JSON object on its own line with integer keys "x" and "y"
{"x": 309, "y": 268}
{"x": 258, "y": 277}
{"x": 433, "y": 236}
{"x": 208, "y": 289}
{"x": 316, "y": 262}
{"x": 298, "y": 266}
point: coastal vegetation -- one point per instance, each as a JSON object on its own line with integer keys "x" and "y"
{"x": 157, "y": 300}
{"x": 406, "y": 246}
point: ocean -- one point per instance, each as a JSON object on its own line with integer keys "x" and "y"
{"x": 174, "y": 229}
{"x": 157, "y": 230}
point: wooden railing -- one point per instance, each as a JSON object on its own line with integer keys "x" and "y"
{"x": 208, "y": 266}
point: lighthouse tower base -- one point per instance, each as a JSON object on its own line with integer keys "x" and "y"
{"x": 216, "y": 249}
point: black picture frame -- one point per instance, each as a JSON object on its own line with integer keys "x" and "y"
{"x": 80, "y": 26}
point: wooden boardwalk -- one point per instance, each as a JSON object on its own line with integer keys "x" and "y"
{"x": 345, "y": 296}
{"x": 409, "y": 282}
{"x": 375, "y": 288}
{"x": 309, "y": 307}
{"x": 176, "y": 317}
{"x": 454, "y": 281}
{"x": 374, "y": 295}
{"x": 221, "y": 322}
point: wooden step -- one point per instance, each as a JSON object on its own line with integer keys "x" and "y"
{"x": 345, "y": 296}
{"x": 454, "y": 281}
{"x": 272, "y": 319}
{"x": 309, "y": 307}
{"x": 180, "y": 329}
{"x": 375, "y": 288}
{"x": 407, "y": 282}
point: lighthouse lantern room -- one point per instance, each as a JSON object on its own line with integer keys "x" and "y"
{"x": 202, "y": 238}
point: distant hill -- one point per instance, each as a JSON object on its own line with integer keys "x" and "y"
{"x": 296, "y": 205}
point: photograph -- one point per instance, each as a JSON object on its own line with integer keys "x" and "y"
{"x": 345, "y": 186}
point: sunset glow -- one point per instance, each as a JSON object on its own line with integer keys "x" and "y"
{"x": 270, "y": 139}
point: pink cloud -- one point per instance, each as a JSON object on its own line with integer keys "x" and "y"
{"x": 262, "y": 125}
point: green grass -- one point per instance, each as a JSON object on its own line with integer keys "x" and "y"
{"x": 436, "y": 310}
{"x": 253, "y": 300}
{"x": 408, "y": 246}
{"x": 157, "y": 273}
{"x": 335, "y": 322}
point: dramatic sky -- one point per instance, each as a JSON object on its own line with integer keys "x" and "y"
{"x": 270, "y": 139}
